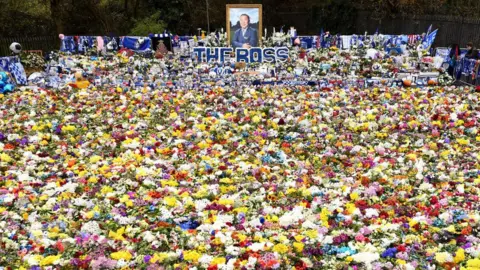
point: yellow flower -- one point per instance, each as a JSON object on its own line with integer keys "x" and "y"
{"x": 225, "y": 202}
{"x": 445, "y": 153}
{"x": 159, "y": 257}
{"x": 5, "y": 158}
{"x": 241, "y": 210}
{"x": 89, "y": 214}
{"x": 463, "y": 141}
{"x": 202, "y": 127}
{"x": 117, "y": 235}
{"x": 170, "y": 201}
{"x": 191, "y": 256}
{"x": 354, "y": 196}
{"x": 121, "y": 255}
{"x": 49, "y": 260}
{"x": 93, "y": 180}
{"x": 473, "y": 264}
{"x": 68, "y": 128}
{"x": 412, "y": 156}
{"x": 298, "y": 246}
{"x": 312, "y": 234}
{"x": 256, "y": 119}
{"x": 459, "y": 255}
{"x": 219, "y": 260}
{"x": 280, "y": 248}
{"x": 324, "y": 216}
{"x": 95, "y": 159}
{"x": 226, "y": 181}
{"x": 203, "y": 144}
{"x": 106, "y": 190}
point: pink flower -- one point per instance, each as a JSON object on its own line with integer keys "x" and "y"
{"x": 359, "y": 237}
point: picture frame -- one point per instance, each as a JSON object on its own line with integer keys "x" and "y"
{"x": 252, "y": 34}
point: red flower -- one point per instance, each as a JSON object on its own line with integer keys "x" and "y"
{"x": 401, "y": 248}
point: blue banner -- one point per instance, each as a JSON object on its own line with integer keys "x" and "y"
{"x": 137, "y": 43}
{"x": 431, "y": 38}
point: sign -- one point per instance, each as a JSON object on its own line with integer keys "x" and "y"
{"x": 252, "y": 55}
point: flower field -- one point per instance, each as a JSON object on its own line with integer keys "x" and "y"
{"x": 243, "y": 177}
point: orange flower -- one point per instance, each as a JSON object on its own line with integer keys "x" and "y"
{"x": 9, "y": 146}
{"x": 467, "y": 230}
{"x": 71, "y": 162}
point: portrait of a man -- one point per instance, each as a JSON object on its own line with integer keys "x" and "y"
{"x": 244, "y": 25}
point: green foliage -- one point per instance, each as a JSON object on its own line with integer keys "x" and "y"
{"x": 335, "y": 16}
{"x": 32, "y": 60}
{"x": 148, "y": 25}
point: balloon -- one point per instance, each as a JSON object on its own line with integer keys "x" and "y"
{"x": 8, "y": 88}
{"x": 15, "y": 47}
{"x": 100, "y": 43}
{"x": 3, "y": 76}
{"x": 61, "y": 36}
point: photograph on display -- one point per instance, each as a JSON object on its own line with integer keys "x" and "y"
{"x": 244, "y": 24}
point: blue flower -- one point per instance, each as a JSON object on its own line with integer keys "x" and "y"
{"x": 389, "y": 253}
{"x": 189, "y": 225}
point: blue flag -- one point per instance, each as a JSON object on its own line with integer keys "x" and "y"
{"x": 431, "y": 38}
{"x": 322, "y": 35}
{"x": 428, "y": 33}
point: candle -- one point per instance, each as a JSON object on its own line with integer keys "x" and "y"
{"x": 274, "y": 30}
{"x": 265, "y": 32}
{"x": 222, "y": 30}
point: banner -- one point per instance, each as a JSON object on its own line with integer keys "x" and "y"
{"x": 430, "y": 39}
{"x": 136, "y": 43}
{"x": 252, "y": 55}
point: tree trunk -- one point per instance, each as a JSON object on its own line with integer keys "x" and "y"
{"x": 135, "y": 8}
{"x": 56, "y": 14}
{"x": 92, "y": 7}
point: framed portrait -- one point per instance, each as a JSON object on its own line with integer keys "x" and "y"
{"x": 244, "y": 25}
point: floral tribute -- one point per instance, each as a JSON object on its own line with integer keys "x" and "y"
{"x": 265, "y": 177}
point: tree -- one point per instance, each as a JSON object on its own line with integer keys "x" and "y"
{"x": 149, "y": 25}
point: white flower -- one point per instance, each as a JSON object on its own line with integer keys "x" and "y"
{"x": 32, "y": 260}
{"x": 371, "y": 212}
{"x": 91, "y": 227}
{"x": 366, "y": 258}
{"x": 121, "y": 263}
{"x": 205, "y": 260}
{"x": 235, "y": 251}
{"x": 259, "y": 246}
{"x": 309, "y": 225}
{"x": 148, "y": 236}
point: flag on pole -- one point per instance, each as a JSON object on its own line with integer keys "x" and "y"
{"x": 322, "y": 35}
{"x": 430, "y": 39}
{"x": 428, "y": 33}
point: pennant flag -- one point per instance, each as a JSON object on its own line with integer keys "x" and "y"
{"x": 430, "y": 39}
{"x": 428, "y": 33}
{"x": 322, "y": 35}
